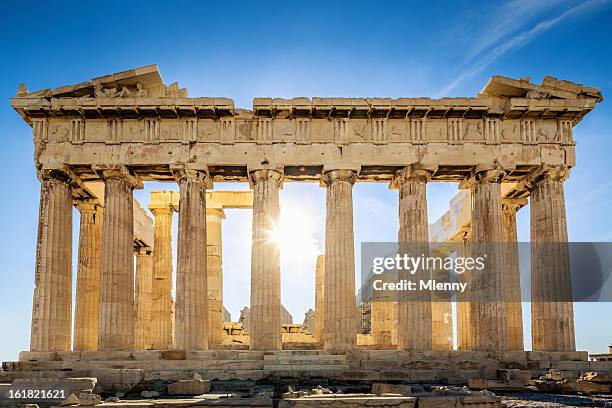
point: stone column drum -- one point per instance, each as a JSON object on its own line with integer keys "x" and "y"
{"x": 340, "y": 323}
{"x": 214, "y": 268}
{"x": 116, "y": 325}
{"x": 488, "y": 311}
{"x": 87, "y": 306}
{"x": 161, "y": 308}
{"x": 383, "y": 322}
{"x": 265, "y": 318}
{"x": 143, "y": 298}
{"x": 52, "y": 304}
{"x": 441, "y": 312}
{"x": 464, "y": 322}
{"x": 414, "y": 309}
{"x": 512, "y": 274}
{"x": 552, "y": 313}
{"x": 191, "y": 322}
{"x": 319, "y": 298}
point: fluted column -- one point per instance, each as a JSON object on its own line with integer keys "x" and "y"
{"x": 116, "y": 325}
{"x": 51, "y": 310}
{"x": 143, "y": 298}
{"x": 265, "y": 315}
{"x": 87, "y": 307}
{"x": 414, "y": 309}
{"x": 464, "y": 322}
{"x": 162, "y": 306}
{"x": 441, "y": 312}
{"x": 340, "y": 324}
{"x": 191, "y": 322}
{"x": 382, "y": 315}
{"x": 319, "y": 297}
{"x": 552, "y": 314}
{"x": 214, "y": 267}
{"x": 512, "y": 274}
{"x": 488, "y": 311}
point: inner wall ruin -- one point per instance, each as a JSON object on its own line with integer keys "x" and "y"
{"x": 97, "y": 141}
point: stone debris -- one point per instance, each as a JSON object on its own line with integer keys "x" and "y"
{"x": 319, "y": 390}
{"x": 393, "y": 395}
{"x": 441, "y": 398}
{"x": 149, "y": 394}
{"x": 559, "y": 375}
{"x": 495, "y": 385}
{"x": 597, "y": 377}
{"x": 69, "y": 401}
{"x": 189, "y": 387}
{"x": 379, "y": 389}
{"x": 89, "y": 399}
{"x": 563, "y": 382}
{"x": 294, "y": 394}
{"x": 118, "y": 379}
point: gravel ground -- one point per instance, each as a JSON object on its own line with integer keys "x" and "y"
{"x": 533, "y": 400}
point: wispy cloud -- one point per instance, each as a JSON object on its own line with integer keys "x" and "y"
{"x": 506, "y": 37}
{"x": 508, "y": 19}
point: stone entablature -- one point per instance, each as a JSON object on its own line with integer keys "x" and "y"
{"x": 132, "y": 119}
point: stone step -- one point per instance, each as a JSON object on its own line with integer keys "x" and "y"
{"x": 311, "y": 366}
{"x": 295, "y": 358}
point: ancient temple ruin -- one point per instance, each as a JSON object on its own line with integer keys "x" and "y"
{"x": 97, "y": 141}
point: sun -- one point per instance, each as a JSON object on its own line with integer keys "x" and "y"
{"x": 294, "y": 234}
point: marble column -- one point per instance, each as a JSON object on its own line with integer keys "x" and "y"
{"x": 52, "y": 303}
{"x": 464, "y": 323}
{"x": 488, "y": 311}
{"x": 414, "y": 323}
{"x": 552, "y": 314}
{"x": 319, "y": 297}
{"x": 191, "y": 322}
{"x": 87, "y": 305}
{"x": 143, "y": 298}
{"x": 116, "y": 324}
{"x": 214, "y": 268}
{"x": 265, "y": 314}
{"x": 340, "y": 320}
{"x": 441, "y": 311}
{"x": 161, "y": 309}
{"x": 382, "y": 315}
{"x": 512, "y": 274}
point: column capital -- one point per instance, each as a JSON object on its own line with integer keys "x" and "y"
{"x": 192, "y": 172}
{"x": 164, "y": 201}
{"x": 484, "y": 173}
{"x": 512, "y": 205}
{"x": 541, "y": 173}
{"x": 259, "y": 175}
{"x": 87, "y": 204}
{"x": 558, "y": 173}
{"x": 61, "y": 172}
{"x": 215, "y": 212}
{"x": 332, "y": 176}
{"x": 120, "y": 172}
{"x": 143, "y": 250}
{"x": 413, "y": 172}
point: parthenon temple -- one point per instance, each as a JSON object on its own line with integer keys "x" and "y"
{"x": 98, "y": 141}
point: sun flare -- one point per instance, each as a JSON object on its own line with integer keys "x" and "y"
{"x": 294, "y": 234}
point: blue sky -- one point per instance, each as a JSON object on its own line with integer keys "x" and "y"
{"x": 286, "y": 49}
